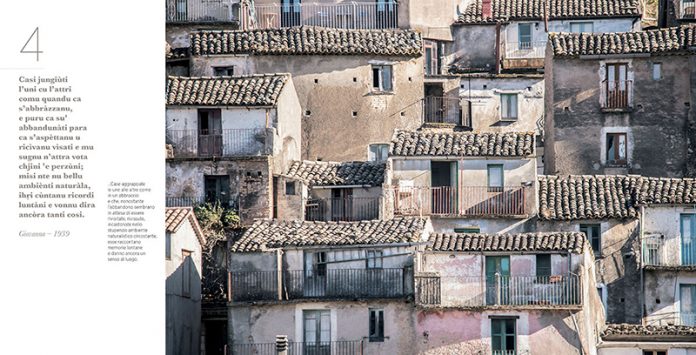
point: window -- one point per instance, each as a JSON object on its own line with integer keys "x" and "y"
{"x": 186, "y": 269}
{"x": 654, "y": 352}
{"x": 289, "y": 187}
{"x": 688, "y": 238}
{"x": 376, "y": 324}
{"x": 524, "y": 31}
{"x": 467, "y": 230}
{"x": 290, "y": 13}
{"x": 209, "y": 132}
{"x": 657, "y": 71}
{"x": 224, "y": 71}
{"x": 315, "y": 264}
{"x": 594, "y": 236}
{"x": 581, "y": 27}
{"x": 168, "y": 246}
{"x": 617, "y": 86}
{"x": 317, "y": 331}
{"x": 382, "y": 77}
{"x": 688, "y": 9}
{"x": 616, "y": 148}
{"x": 508, "y": 107}
{"x": 378, "y": 152}
{"x": 217, "y": 189}
{"x": 495, "y": 176}
{"x": 374, "y": 259}
{"x": 432, "y": 57}
{"x": 543, "y": 266}
{"x": 687, "y": 304}
{"x": 503, "y": 340}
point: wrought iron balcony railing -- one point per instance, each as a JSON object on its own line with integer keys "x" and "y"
{"x": 345, "y": 209}
{"x": 349, "y": 14}
{"x": 194, "y": 143}
{"x": 617, "y": 94}
{"x": 345, "y": 347}
{"x": 525, "y": 50}
{"x": 463, "y": 201}
{"x": 320, "y": 284}
{"x": 659, "y": 250}
{"x": 445, "y": 110}
{"x": 201, "y": 11}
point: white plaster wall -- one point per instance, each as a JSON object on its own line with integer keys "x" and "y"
{"x": 540, "y": 35}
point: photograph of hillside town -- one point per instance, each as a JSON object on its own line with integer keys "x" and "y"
{"x": 486, "y": 177}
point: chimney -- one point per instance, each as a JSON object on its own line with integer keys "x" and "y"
{"x": 486, "y": 11}
{"x": 282, "y": 344}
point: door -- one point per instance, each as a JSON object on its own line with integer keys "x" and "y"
{"x": 386, "y": 14}
{"x": 342, "y": 204}
{"x": 315, "y": 277}
{"x": 217, "y": 189}
{"x": 524, "y": 32}
{"x": 290, "y": 13}
{"x": 209, "y": 133}
{"x": 317, "y": 332}
{"x": 617, "y": 85}
{"x": 687, "y": 304}
{"x": 688, "y": 238}
{"x": 497, "y": 279}
{"x": 503, "y": 336}
{"x": 443, "y": 181}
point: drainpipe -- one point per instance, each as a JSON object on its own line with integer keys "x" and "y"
{"x": 279, "y": 273}
{"x": 497, "y": 48}
{"x": 640, "y": 264}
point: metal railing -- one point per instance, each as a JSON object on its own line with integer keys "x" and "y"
{"x": 329, "y": 284}
{"x": 687, "y": 10}
{"x": 498, "y": 290}
{"x": 345, "y": 209}
{"x": 345, "y": 347}
{"x": 221, "y": 143}
{"x": 427, "y": 289}
{"x": 442, "y": 110}
{"x": 659, "y": 250}
{"x": 195, "y": 11}
{"x": 350, "y": 14}
{"x": 617, "y": 93}
{"x": 525, "y": 50}
{"x": 184, "y": 201}
{"x": 463, "y": 201}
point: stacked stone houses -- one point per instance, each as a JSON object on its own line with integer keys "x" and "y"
{"x": 438, "y": 176}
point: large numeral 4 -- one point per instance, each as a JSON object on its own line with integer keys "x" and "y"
{"x": 33, "y": 38}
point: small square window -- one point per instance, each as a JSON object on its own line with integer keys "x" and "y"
{"x": 382, "y": 78}
{"x": 376, "y": 324}
{"x": 508, "y": 107}
{"x": 657, "y": 71}
{"x": 374, "y": 259}
{"x": 223, "y": 71}
{"x": 289, "y": 187}
{"x": 378, "y": 152}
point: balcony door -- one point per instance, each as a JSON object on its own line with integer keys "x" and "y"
{"x": 315, "y": 277}
{"x": 687, "y": 304}
{"x": 497, "y": 279}
{"x": 290, "y": 13}
{"x": 688, "y": 238}
{"x": 217, "y": 189}
{"x": 386, "y": 14}
{"x": 443, "y": 180}
{"x": 617, "y": 85}
{"x": 342, "y": 204}
{"x": 317, "y": 332}
{"x": 209, "y": 133}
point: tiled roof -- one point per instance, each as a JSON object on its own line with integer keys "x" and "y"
{"x": 503, "y": 10}
{"x": 671, "y": 40}
{"x": 533, "y": 242}
{"x": 249, "y": 90}
{"x": 175, "y": 217}
{"x": 265, "y": 234}
{"x": 629, "y": 331}
{"x": 307, "y": 40}
{"x": 319, "y": 173}
{"x": 177, "y": 53}
{"x": 463, "y": 144}
{"x": 608, "y": 196}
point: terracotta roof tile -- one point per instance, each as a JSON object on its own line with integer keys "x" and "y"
{"x": 265, "y": 234}
{"x": 533, "y": 242}
{"x": 175, "y": 217}
{"x": 449, "y": 143}
{"x": 673, "y": 40}
{"x": 249, "y": 90}
{"x": 633, "y": 331}
{"x": 319, "y": 173}
{"x": 504, "y": 10}
{"x": 308, "y": 40}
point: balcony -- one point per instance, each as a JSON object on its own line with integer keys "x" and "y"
{"x": 342, "y": 209}
{"x": 495, "y": 291}
{"x": 524, "y": 55}
{"x": 462, "y": 201}
{"x": 660, "y": 252}
{"x": 184, "y": 201}
{"x": 444, "y": 110}
{"x": 687, "y": 10}
{"x": 349, "y": 15}
{"x": 201, "y": 11}
{"x": 247, "y": 286}
{"x": 216, "y": 144}
{"x": 346, "y": 347}
{"x": 617, "y": 94}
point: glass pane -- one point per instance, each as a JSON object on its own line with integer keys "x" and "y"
{"x": 687, "y": 303}
{"x": 510, "y": 326}
{"x": 496, "y": 343}
{"x": 622, "y": 147}
{"x": 387, "y": 78}
{"x": 610, "y": 148}
{"x": 513, "y": 106}
{"x": 495, "y": 176}
{"x": 510, "y": 343}
{"x": 504, "y": 106}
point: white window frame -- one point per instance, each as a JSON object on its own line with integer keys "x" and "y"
{"x": 503, "y": 96}
{"x": 379, "y": 69}
{"x": 383, "y": 150}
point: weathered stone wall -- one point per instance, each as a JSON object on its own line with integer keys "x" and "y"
{"x": 474, "y": 47}
{"x": 656, "y": 128}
